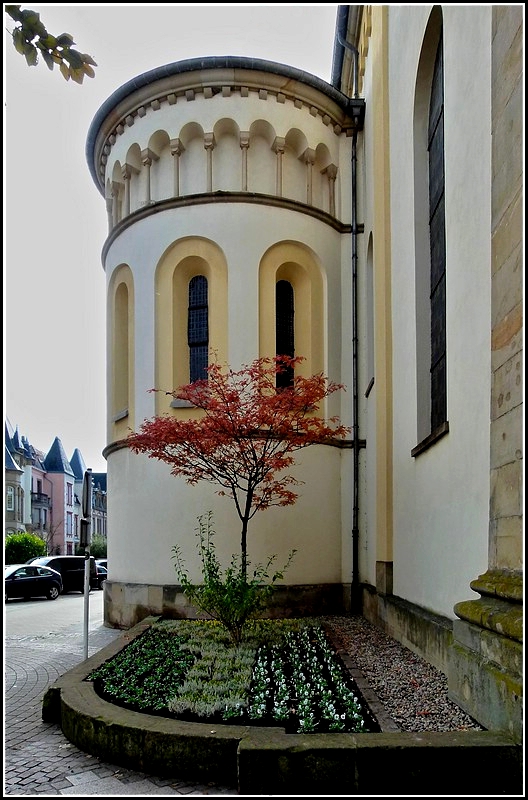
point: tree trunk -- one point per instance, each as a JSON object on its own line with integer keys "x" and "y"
{"x": 243, "y": 546}
{"x": 243, "y": 541}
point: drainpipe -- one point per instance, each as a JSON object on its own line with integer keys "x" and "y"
{"x": 355, "y": 594}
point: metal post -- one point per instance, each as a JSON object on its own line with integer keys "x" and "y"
{"x": 86, "y": 598}
{"x": 85, "y": 542}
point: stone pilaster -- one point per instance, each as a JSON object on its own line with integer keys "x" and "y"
{"x": 308, "y": 158}
{"x": 109, "y": 213}
{"x": 244, "y": 146}
{"x": 278, "y": 148}
{"x": 116, "y": 190}
{"x": 148, "y": 156}
{"x": 176, "y": 148}
{"x": 486, "y": 659}
{"x": 331, "y": 173}
{"x": 209, "y": 144}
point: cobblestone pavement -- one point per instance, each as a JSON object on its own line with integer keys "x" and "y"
{"x": 38, "y": 759}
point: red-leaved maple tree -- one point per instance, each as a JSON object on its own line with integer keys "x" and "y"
{"x": 246, "y": 436}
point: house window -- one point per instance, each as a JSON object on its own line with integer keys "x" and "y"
{"x": 69, "y": 524}
{"x": 437, "y": 246}
{"x": 69, "y": 493}
{"x": 198, "y": 328}
{"x": 284, "y": 329}
{"x": 10, "y": 498}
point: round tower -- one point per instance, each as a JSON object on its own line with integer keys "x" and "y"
{"x": 227, "y": 183}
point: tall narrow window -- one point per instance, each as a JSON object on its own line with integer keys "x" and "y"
{"x": 10, "y": 499}
{"x": 198, "y": 328}
{"x": 284, "y": 329}
{"x": 437, "y": 246}
{"x": 121, "y": 351}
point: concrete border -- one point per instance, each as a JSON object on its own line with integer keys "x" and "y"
{"x": 269, "y": 761}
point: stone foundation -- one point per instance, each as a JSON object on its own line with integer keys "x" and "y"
{"x": 428, "y": 635}
{"x": 127, "y": 604}
{"x": 486, "y": 659}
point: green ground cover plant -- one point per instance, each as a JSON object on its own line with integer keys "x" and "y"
{"x": 284, "y": 673}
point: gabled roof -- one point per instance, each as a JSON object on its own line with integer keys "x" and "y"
{"x": 56, "y": 460}
{"x": 17, "y": 446}
{"x": 20, "y": 446}
{"x": 77, "y": 464}
{"x": 9, "y": 439}
{"x": 10, "y": 463}
{"x": 99, "y": 480}
{"x": 28, "y": 450}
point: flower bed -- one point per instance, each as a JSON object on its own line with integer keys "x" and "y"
{"x": 284, "y": 673}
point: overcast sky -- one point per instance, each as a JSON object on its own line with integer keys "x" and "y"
{"x": 55, "y": 220}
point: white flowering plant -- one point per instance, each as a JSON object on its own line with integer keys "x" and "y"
{"x": 284, "y": 673}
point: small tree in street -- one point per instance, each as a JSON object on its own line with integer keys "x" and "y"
{"x": 245, "y": 438}
{"x": 98, "y": 546}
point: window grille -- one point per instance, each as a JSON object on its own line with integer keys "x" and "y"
{"x": 284, "y": 329}
{"x": 198, "y": 328}
{"x": 437, "y": 246}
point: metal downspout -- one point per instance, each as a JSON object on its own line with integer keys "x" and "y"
{"x": 355, "y": 594}
{"x": 355, "y": 599}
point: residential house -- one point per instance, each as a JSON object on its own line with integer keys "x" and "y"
{"x": 43, "y": 493}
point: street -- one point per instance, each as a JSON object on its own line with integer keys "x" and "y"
{"x": 43, "y": 639}
{"x": 41, "y": 616}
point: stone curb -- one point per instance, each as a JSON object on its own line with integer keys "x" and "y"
{"x": 268, "y": 760}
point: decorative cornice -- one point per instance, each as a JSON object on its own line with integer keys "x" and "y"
{"x": 250, "y": 198}
{"x": 211, "y": 77}
{"x": 346, "y": 444}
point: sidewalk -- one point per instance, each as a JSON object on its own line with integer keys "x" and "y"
{"x": 38, "y": 759}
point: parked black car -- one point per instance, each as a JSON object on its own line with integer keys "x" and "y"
{"x": 72, "y": 570}
{"x": 32, "y": 580}
{"x": 102, "y": 574}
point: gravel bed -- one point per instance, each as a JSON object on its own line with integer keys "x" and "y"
{"x": 413, "y": 692}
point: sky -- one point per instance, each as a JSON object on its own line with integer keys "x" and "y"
{"x": 55, "y": 221}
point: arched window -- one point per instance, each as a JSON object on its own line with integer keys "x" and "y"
{"x": 437, "y": 245}
{"x": 121, "y": 352}
{"x": 10, "y": 498}
{"x": 284, "y": 328}
{"x": 198, "y": 328}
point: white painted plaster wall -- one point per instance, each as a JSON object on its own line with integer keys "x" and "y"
{"x": 153, "y": 511}
{"x": 441, "y": 496}
{"x": 145, "y": 502}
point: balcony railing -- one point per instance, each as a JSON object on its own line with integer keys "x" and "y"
{"x": 39, "y": 499}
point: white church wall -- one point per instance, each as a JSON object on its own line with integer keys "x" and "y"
{"x": 163, "y": 511}
{"x": 243, "y": 236}
{"x": 258, "y": 139}
{"x": 225, "y": 119}
{"x": 441, "y": 496}
{"x": 158, "y": 502}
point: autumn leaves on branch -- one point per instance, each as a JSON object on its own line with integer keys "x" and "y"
{"x": 31, "y": 39}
